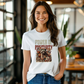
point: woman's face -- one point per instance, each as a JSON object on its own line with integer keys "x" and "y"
{"x": 41, "y": 15}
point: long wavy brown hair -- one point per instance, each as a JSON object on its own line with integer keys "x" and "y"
{"x": 51, "y": 24}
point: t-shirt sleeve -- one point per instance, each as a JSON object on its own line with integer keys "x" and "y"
{"x": 61, "y": 41}
{"x": 25, "y": 44}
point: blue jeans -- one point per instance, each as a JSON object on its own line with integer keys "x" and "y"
{"x": 44, "y": 79}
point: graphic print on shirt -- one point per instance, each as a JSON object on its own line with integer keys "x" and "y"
{"x": 43, "y": 50}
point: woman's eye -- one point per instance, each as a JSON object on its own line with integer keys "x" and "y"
{"x": 44, "y": 12}
{"x": 37, "y": 13}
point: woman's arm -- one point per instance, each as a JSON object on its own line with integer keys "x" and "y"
{"x": 62, "y": 62}
{"x": 26, "y": 64}
{"x": 62, "y": 53}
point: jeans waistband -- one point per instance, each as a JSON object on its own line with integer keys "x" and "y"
{"x": 43, "y": 74}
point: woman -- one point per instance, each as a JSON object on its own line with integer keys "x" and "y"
{"x": 40, "y": 48}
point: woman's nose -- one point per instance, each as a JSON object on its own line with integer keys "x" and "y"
{"x": 41, "y": 15}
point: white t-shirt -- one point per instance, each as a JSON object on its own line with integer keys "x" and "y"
{"x": 44, "y": 56}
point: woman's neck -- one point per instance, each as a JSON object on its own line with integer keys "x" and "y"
{"x": 41, "y": 28}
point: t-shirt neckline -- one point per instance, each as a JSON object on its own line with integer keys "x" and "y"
{"x": 41, "y": 32}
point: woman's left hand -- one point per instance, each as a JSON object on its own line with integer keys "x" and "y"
{"x": 58, "y": 76}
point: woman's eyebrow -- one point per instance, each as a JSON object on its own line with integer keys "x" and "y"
{"x": 37, "y": 11}
{"x": 42, "y": 11}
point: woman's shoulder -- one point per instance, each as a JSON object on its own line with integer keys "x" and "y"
{"x": 60, "y": 32}
{"x": 29, "y": 32}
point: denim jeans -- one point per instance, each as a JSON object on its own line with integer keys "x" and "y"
{"x": 44, "y": 79}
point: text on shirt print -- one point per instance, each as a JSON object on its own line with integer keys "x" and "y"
{"x": 43, "y": 51}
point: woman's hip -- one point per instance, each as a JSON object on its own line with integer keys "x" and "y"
{"x": 43, "y": 79}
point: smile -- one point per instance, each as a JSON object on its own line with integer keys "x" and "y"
{"x": 41, "y": 19}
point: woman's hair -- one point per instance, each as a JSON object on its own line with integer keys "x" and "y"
{"x": 51, "y": 24}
